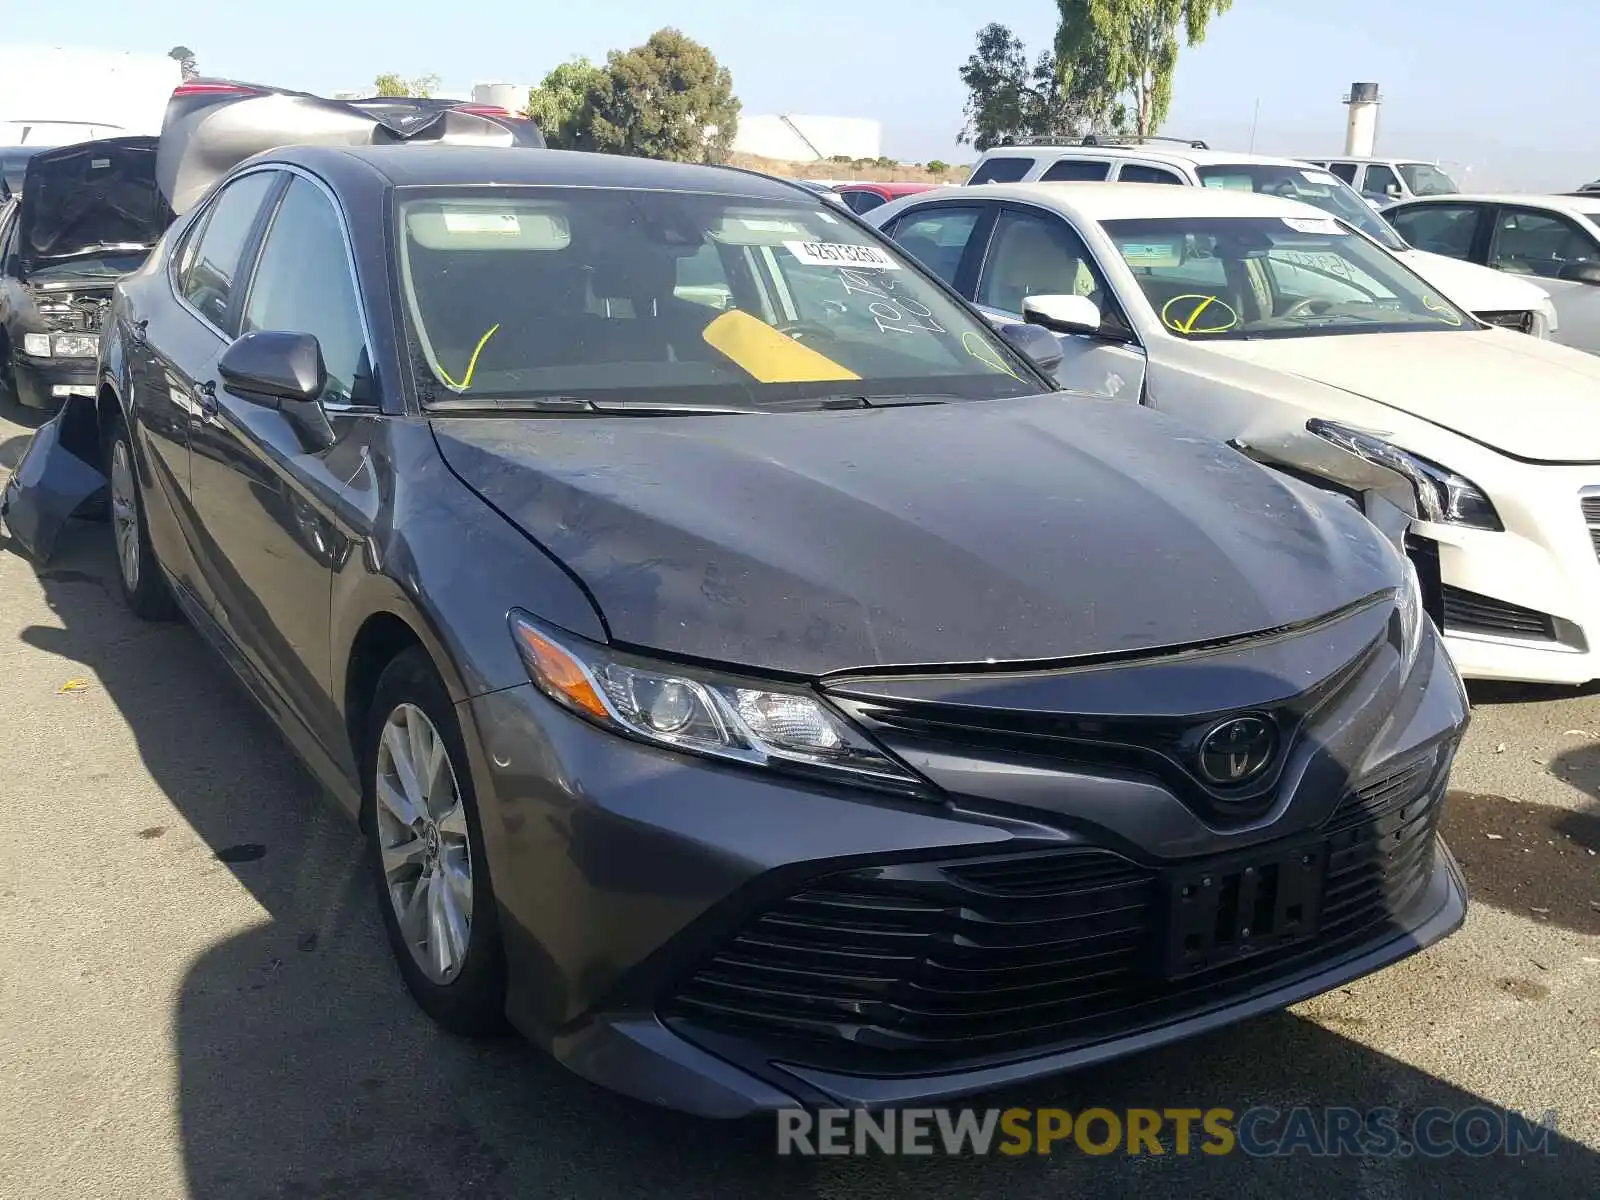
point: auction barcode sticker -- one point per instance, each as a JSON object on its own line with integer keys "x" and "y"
{"x": 841, "y": 254}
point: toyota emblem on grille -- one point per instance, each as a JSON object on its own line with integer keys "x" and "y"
{"x": 1237, "y": 750}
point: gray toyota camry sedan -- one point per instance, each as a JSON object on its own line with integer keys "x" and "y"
{"x": 755, "y": 683}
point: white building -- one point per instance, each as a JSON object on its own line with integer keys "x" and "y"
{"x": 794, "y": 138}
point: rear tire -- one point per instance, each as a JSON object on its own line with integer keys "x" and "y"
{"x": 139, "y": 575}
{"x": 426, "y": 850}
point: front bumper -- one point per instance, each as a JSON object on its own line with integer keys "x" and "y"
{"x": 1523, "y": 604}
{"x": 628, "y": 878}
{"x": 45, "y": 382}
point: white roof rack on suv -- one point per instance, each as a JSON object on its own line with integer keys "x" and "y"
{"x": 1094, "y": 139}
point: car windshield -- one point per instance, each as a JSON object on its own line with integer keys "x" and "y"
{"x": 589, "y": 297}
{"x": 1425, "y": 179}
{"x": 1248, "y": 277}
{"x": 1309, "y": 185}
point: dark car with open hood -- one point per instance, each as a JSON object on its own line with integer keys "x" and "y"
{"x": 753, "y": 680}
{"x": 85, "y": 215}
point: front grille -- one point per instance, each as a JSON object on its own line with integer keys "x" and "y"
{"x": 911, "y": 965}
{"x": 1519, "y": 319}
{"x": 1466, "y": 611}
{"x": 1591, "y": 518}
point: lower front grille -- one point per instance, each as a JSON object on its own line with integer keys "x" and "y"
{"x": 911, "y": 965}
{"x": 1519, "y": 319}
{"x": 1469, "y": 612}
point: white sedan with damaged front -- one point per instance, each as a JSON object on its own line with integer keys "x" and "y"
{"x": 1273, "y": 325}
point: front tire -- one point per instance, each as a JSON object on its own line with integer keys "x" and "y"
{"x": 144, "y": 589}
{"x": 427, "y": 853}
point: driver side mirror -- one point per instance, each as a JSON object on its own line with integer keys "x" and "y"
{"x": 282, "y": 371}
{"x": 1038, "y": 345}
{"x": 1062, "y": 314}
{"x": 1393, "y": 191}
{"x": 1582, "y": 271}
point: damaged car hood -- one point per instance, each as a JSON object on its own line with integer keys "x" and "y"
{"x": 1031, "y": 530}
{"x": 89, "y": 197}
{"x": 1526, "y": 397}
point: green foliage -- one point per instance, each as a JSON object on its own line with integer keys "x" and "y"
{"x": 1010, "y": 97}
{"x": 390, "y": 84}
{"x": 1123, "y": 53}
{"x": 668, "y": 98}
{"x": 185, "y": 60}
{"x": 938, "y": 166}
{"x": 560, "y": 103}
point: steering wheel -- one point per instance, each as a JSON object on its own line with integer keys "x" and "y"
{"x": 1309, "y": 306}
{"x": 800, "y": 330}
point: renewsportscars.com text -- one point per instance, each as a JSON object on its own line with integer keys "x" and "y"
{"x": 1330, "y": 1132}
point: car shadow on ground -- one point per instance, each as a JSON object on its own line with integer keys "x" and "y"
{"x": 305, "y": 1071}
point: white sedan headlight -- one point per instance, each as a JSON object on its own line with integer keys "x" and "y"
{"x": 752, "y": 722}
{"x": 1443, "y": 497}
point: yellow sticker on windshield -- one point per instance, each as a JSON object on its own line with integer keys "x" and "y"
{"x": 976, "y": 347}
{"x": 1441, "y": 310}
{"x": 1195, "y": 313}
{"x": 770, "y": 356}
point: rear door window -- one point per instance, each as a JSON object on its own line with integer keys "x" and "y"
{"x": 1448, "y": 229}
{"x": 207, "y": 280}
{"x": 1001, "y": 170}
{"x": 860, "y": 202}
{"x": 1076, "y": 170}
{"x": 938, "y": 237}
{"x": 1143, "y": 173}
{"x": 1345, "y": 171}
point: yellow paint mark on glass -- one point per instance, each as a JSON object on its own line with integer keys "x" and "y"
{"x": 472, "y": 363}
{"x": 770, "y": 356}
{"x": 976, "y": 347}
{"x": 1188, "y": 320}
{"x": 1441, "y": 310}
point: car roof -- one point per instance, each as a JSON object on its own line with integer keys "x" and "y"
{"x": 1579, "y": 204}
{"x": 1154, "y": 153}
{"x": 1120, "y": 201}
{"x": 1357, "y": 158}
{"x": 414, "y": 165}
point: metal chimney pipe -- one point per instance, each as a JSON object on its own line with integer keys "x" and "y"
{"x": 1361, "y": 131}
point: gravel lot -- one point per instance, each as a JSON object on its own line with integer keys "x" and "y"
{"x": 197, "y": 1000}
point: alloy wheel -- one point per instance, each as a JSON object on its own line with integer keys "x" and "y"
{"x": 125, "y": 514}
{"x": 422, "y": 838}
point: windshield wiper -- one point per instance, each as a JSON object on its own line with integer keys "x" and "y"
{"x": 813, "y": 403}
{"x": 578, "y": 405}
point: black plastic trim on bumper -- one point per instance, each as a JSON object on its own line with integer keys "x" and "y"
{"x": 640, "y": 1056}
{"x": 36, "y": 376}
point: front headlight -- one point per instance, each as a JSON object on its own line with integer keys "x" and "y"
{"x": 75, "y": 345}
{"x": 1408, "y": 604}
{"x": 36, "y": 344}
{"x": 1443, "y": 496}
{"x": 752, "y": 722}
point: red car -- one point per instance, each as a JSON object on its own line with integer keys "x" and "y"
{"x": 864, "y": 197}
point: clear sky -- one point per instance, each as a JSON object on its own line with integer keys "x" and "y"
{"x": 1504, "y": 89}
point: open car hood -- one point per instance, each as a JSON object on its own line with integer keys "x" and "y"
{"x": 206, "y": 133}
{"x": 79, "y": 198}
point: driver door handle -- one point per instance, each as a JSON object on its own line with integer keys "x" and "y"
{"x": 208, "y": 400}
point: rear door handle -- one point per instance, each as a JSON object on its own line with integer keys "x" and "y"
{"x": 137, "y": 333}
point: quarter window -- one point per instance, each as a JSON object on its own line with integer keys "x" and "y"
{"x": 208, "y": 279}
{"x": 1001, "y": 170}
{"x": 302, "y": 285}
